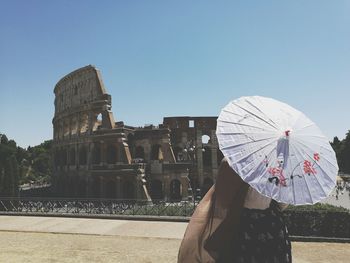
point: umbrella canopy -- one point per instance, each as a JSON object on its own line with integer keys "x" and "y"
{"x": 277, "y": 150}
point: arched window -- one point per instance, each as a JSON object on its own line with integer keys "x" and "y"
{"x": 94, "y": 187}
{"x": 156, "y": 188}
{"x": 139, "y": 152}
{"x": 175, "y": 190}
{"x": 84, "y": 123}
{"x": 128, "y": 190}
{"x": 131, "y": 140}
{"x": 96, "y": 154}
{"x": 72, "y": 156}
{"x": 82, "y": 188}
{"x": 82, "y": 155}
{"x": 64, "y": 156}
{"x": 110, "y": 189}
{"x": 156, "y": 152}
{"x": 98, "y": 122}
{"x": 111, "y": 154}
{"x": 205, "y": 139}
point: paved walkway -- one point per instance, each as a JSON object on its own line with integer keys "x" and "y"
{"x": 47, "y": 239}
{"x": 343, "y": 199}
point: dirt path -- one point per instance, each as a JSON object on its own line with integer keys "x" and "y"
{"x": 48, "y": 247}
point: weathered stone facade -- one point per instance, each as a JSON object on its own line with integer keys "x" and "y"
{"x": 94, "y": 156}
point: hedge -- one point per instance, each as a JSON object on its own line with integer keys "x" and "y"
{"x": 318, "y": 220}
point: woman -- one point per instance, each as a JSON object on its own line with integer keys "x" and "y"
{"x": 234, "y": 223}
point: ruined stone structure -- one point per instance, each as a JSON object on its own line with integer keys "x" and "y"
{"x": 95, "y": 156}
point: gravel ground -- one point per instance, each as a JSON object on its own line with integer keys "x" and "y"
{"x": 49, "y": 247}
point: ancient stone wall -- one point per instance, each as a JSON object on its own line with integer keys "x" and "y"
{"x": 94, "y": 156}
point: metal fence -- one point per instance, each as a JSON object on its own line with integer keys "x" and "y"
{"x": 88, "y": 207}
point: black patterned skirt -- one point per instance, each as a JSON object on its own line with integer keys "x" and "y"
{"x": 262, "y": 237}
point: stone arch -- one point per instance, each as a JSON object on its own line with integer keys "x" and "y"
{"x": 97, "y": 121}
{"x": 74, "y": 126}
{"x": 139, "y": 152}
{"x": 57, "y": 159}
{"x": 72, "y": 156}
{"x": 128, "y": 190}
{"x": 156, "y": 189}
{"x": 82, "y": 188}
{"x": 110, "y": 189}
{"x": 205, "y": 139}
{"x": 84, "y": 123}
{"x": 131, "y": 140}
{"x": 96, "y": 153}
{"x": 156, "y": 152}
{"x": 82, "y": 155}
{"x": 60, "y": 129}
{"x": 63, "y": 157}
{"x": 111, "y": 154}
{"x": 66, "y": 128}
{"x": 175, "y": 190}
{"x": 94, "y": 187}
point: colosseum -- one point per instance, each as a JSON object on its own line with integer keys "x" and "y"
{"x": 96, "y": 156}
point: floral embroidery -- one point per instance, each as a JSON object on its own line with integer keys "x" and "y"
{"x": 277, "y": 172}
{"x": 277, "y": 176}
{"x": 316, "y": 156}
{"x": 308, "y": 168}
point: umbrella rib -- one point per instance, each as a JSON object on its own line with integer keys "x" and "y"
{"x": 312, "y": 135}
{"x": 270, "y": 159}
{"x": 231, "y": 112}
{"x": 306, "y": 126}
{"x": 253, "y": 152}
{"x": 242, "y": 124}
{"x": 244, "y": 143}
{"x": 260, "y": 161}
{"x": 307, "y": 185}
{"x": 317, "y": 165}
{"x": 251, "y": 104}
{"x": 241, "y": 133}
{"x": 258, "y": 117}
{"x": 299, "y": 140}
{"x": 299, "y": 164}
{"x": 317, "y": 179}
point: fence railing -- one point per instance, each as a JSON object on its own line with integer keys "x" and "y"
{"x": 64, "y": 206}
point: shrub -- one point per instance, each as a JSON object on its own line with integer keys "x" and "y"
{"x": 320, "y": 220}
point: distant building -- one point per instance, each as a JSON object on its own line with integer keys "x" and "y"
{"x": 97, "y": 157}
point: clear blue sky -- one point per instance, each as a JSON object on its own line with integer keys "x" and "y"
{"x": 172, "y": 58}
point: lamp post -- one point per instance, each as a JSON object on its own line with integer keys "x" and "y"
{"x": 190, "y": 152}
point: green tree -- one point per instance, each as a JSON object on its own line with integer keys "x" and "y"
{"x": 9, "y": 175}
{"x": 337, "y": 146}
{"x": 345, "y": 154}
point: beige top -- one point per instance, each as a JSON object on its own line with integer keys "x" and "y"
{"x": 255, "y": 200}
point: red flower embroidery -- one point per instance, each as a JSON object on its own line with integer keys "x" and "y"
{"x": 316, "y": 156}
{"x": 308, "y": 169}
{"x": 277, "y": 174}
{"x": 274, "y": 171}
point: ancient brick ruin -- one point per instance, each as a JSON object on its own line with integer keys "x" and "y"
{"x": 97, "y": 157}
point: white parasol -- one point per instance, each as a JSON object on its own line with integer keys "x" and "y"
{"x": 277, "y": 150}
